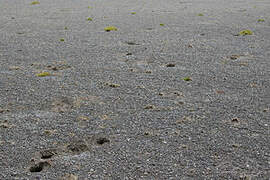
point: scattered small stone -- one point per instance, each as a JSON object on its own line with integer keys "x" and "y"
{"x": 69, "y": 177}
{"x": 245, "y": 177}
{"x": 149, "y": 107}
{"x": 161, "y": 94}
{"x": 234, "y": 57}
{"x": 180, "y": 102}
{"x": 83, "y": 118}
{"x": 148, "y": 72}
{"x": 49, "y": 132}
{"x": 4, "y": 110}
{"x": 5, "y": 125}
{"x": 243, "y": 64}
{"x": 12, "y": 68}
{"x": 184, "y": 146}
{"x": 220, "y": 92}
{"x": 235, "y": 145}
{"x": 129, "y": 54}
{"x": 112, "y": 85}
{"x": 184, "y": 120}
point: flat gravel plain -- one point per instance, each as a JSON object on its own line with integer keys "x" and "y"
{"x": 176, "y": 90}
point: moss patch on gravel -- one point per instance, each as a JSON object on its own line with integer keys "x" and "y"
{"x": 110, "y": 28}
{"x": 35, "y": 2}
{"x": 187, "y": 79}
{"x": 245, "y": 32}
{"x": 43, "y": 74}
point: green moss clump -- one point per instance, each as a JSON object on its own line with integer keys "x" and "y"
{"x": 187, "y": 79}
{"x": 43, "y": 74}
{"x": 260, "y": 20}
{"x": 110, "y": 28}
{"x": 62, "y": 39}
{"x": 66, "y": 28}
{"x": 133, "y": 13}
{"x": 89, "y": 19}
{"x": 162, "y": 24}
{"x": 245, "y": 32}
{"x": 200, "y": 14}
{"x": 35, "y": 2}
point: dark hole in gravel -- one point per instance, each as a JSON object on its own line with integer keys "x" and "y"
{"x": 235, "y": 120}
{"x": 129, "y": 54}
{"x": 102, "y": 141}
{"x": 170, "y": 65}
{"x": 39, "y": 167}
{"x": 181, "y": 102}
{"x": 131, "y": 43}
{"x": 234, "y": 57}
{"x": 146, "y": 133}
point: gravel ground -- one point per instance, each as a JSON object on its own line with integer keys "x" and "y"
{"x": 176, "y": 92}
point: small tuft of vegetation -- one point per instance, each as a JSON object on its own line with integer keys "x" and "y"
{"x": 245, "y": 32}
{"x": 110, "y": 28}
{"x": 35, "y": 2}
{"x": 133, "y": 13}
{"x": 66, "y": 28}
{"x": 62, "y": 39}
{"x": 43, "y": 74}
{"x": 89, "y": 19}
{"x": 200, "y": 14}
{"x": 162, "y": 24}
{"x": 260, "y": 20}
{"x": 187, "y": 79}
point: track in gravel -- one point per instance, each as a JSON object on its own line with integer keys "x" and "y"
{"x": 174, "y": 93}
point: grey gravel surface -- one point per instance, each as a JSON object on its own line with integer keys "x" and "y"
{"x": 174, "y": 93}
